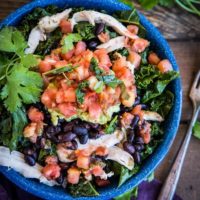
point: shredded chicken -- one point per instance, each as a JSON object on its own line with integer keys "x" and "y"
{"x": 15, "y": 160}
{"x": 152, "y": 116}
{"x": 97, "y": 17}
{"x": 121, "y": 156}
{"x": 113, "y": 44}
{"x": 35, "y": 37}
{"x": 50, "y": 23}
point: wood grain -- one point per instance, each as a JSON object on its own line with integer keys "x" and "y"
{"x": 174, "y": 23}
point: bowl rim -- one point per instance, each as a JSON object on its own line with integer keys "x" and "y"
{"x": 161, "y": 151}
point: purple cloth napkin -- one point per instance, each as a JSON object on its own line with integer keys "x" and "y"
{"x": 9, "y": 191}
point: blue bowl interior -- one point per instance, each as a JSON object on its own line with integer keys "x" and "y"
{"x": 160, "y": 45}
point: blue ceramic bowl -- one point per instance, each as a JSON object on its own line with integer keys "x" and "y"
{"x": 160, "y": 45}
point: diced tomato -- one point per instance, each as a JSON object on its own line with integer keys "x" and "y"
{"x": 83, "y": 162}
{"x": 153, "y": 58}
{"x": 51, "y": 171}
{"x": 80, "y": 47}
{"x": 35, "y": 115}
{"x": 65, "y": 26}
{"x": 92, "y": 80}
{"x": 48, "y": 97}
{"x": 140, "y": 45}
{"x": 84, "y": 152}
{"x": 88, "y": 55}
{"x": 119, "y": 64}
{"x": 73, "y": 175}
{"x": 44, "y": 66}
{"x": 95, "y": 110}
{"x": 103, "y": 37}
{"x": 70, "y": 95}
{"x": 61, "y": 63}
{"x": 164, "y": 66}
{"x": 104, "y": 60}
{"x": 126, "y": 119}
{"x": 67, "y": 109}
{"x": 68, "y": 55}
{"x": 133, "y": 29}
{"x": 51, "y": 159}
{"x": 134, "y": 58}
{"x": 30, "y": 130}
{"x": 82, "y": 73}
{"x": 101, "y": 151}
{"x": 97, "y": 170}
{"x": 137, "y": 110}
{"x": 60, "y": 96}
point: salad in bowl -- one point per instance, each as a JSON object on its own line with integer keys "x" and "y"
{"x": 83, "y": 97}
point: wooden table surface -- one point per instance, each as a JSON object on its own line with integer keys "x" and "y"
{"x": 182, "y": 30}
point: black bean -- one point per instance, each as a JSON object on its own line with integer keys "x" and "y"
{"x": 42, "y": 143}
{"x": 99, "y": 28}
{"x": 57, "y": 129}
{"x": 144, "y": 106}
{"x": 92, "y": 44}
{"x": 128, "y": 147}
{"x": 54, "y": 139}
{"x": 64, "y": 166}
{"x": 29, "y": 160}
{"x": 94, "y": 126}
{"x": 50, "y": 129}
{"x": 139, "y": 147}
{"x": 94, "y": 134}
{"x": 130, "y": 135}
{"x": 135, "y": 121}
{"x": 83, "y": 139}
{"x": 60, "y": 179}
{"x": 137, "y": 101}
{"x": 68, "y": 126}
{"x": 29, "y": 151}
{"x": 139, "y": 140}
{"x": 80, "y": 130}
{"x": 137, "y": 157}
{"x": 68, "y": 137}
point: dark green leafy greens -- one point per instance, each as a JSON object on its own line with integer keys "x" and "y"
{"x": 85, "y": 30}
{"x": 83, "y": 188}
{"x": 196, "y": 130}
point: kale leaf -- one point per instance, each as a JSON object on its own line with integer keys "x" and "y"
{"x": 110, "y": 128}
{"x": 83, "y": 188}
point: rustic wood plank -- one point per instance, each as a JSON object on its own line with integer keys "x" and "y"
{"x": 188, "y": 59}
{"x": 174, "y": 23}
{"x": 188, "y": 185}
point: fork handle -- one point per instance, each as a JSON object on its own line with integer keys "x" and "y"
{"x": 169, "y": 186}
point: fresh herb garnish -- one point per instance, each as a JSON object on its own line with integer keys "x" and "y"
{"x": 110, "y": 128}
{"x": 196, "y": 130}
{"x": 110, "y": 80}
{"x": 21, "y": 85}
{"x": 95, "y": 68}
{"x": 79, "y": 91}
{"x": 60, "y": 70}
{"x": 69, "y": 40}
{"x": 98, "y": 88}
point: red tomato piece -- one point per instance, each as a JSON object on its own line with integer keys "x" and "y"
{"x": 83, "y": 162}
{"x": 35, "y": 115}
{"x": 134, "y": 58}
{"x": 101, "y": 151}
{"x": 153, "y": 58}
{"x": 164, "y": 66}
{"x": 126, "y": 119}
{"x": 73, "y": 175}
{"x": 80, "y": 47}
{"x": 97, "y": 170}
{"x": 61, "y": 63}
{"x": 48, "y": 97}
{"x": 51, "y": 171}
{"x": 44, "y": 66}
{"x": 140, "y": 45}
{"x": 68, "y": 55}
{"x": 67, "y": 109}
{"x": 65, "y": 26}
{"x": 133, "y": 29}
{"x": 70, "y": 95}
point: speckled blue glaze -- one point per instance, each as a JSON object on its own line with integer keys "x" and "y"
{"x": 160, "y": 45}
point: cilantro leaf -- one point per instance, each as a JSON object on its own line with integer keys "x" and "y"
{"x": 196, "y": 130}
{"x": 79, "y": 91}
{"x": 60, "y": 70}
{"x": 94, "y": 67}
{"x": 110, "y": 80}
{"x": 110, "y": 128}
{"x": 29, "y": 60}
{"x": 12, "y": 41}
{"x": 67, "y": 42}
{"x": 22, "y": 86}
{"x": 98, "y": 88}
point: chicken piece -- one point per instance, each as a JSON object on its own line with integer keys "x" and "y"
{"x": 35, "y": 37}
{"x": 124, "y": 159}
{"x": 49, "y": 23}
{"x": 113, "y": 44}
{"x": 97, "y": 17}
{"x": 15, "y": 160}
{"x": 152, "y": 116}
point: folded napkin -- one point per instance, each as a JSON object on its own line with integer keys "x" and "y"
{"x": 9, "y": 191}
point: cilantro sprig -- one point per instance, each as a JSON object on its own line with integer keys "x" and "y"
{"x": 79, "y": 91}
{"x": 20, "y": 84}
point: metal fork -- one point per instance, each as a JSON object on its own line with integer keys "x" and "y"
{"x": 169, "y": 186}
